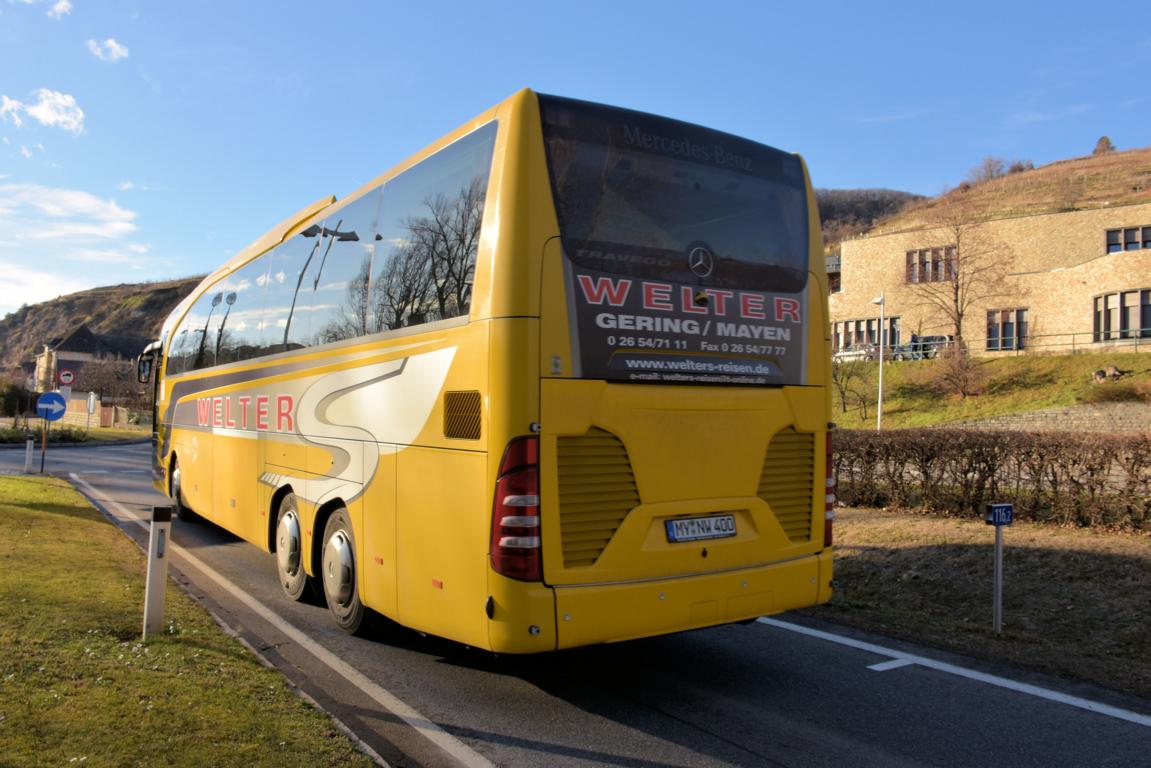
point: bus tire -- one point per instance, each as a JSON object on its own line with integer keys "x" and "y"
{"x": 294, "y": 579}
{"x": 339, "y": 573}
{"x": 183, "y": 511}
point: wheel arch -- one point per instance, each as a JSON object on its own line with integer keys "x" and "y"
{"x": 273, "y": 512}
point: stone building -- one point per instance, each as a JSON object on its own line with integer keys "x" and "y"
{"x": 62, "y": 361}
{"x": 1054, "y": 282}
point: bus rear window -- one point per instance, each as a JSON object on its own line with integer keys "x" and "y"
{"x": 687, "y": 249}
{"x": 649, "y": 197}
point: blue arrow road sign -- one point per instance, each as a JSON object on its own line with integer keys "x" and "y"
{"x": 51, "y": 406}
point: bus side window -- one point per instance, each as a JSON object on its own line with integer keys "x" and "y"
{"x": 430, "y": 232}
{"x": 178, "y": 352}
{"x": 237, "y": 337}
{"x": 341, "y": 301}
{"x": 284, "y": 322}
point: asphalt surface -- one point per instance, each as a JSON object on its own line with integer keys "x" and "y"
{"x": 758, "y": 695}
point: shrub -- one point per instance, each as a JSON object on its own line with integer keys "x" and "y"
{"x": 1071, "y": 479}
{"x": 55, "y": 435}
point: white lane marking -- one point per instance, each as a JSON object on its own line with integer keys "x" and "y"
{"x": 464, "y": 754}
{"x": 884, "y": 666}
{"x": 952, "y": 669}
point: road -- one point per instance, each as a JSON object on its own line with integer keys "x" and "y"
{"x": 781, "y": 692}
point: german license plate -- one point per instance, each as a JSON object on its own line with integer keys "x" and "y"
{"x": 699, "y": 528}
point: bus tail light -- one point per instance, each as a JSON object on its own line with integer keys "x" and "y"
{"x": 829, "y": 494}
{"x": 515, "y": 545}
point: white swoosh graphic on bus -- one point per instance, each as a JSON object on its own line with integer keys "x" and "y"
{"x": 386, "y": 404}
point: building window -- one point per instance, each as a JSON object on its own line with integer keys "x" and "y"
{"x": 855, "y": 334}
{"x": 1006, "y": 329}
{"x": 931, "y": 265}
{"x": 1123, "y": 315}
{"x": 1128, "y": 239}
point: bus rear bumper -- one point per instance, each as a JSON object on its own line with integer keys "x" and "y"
{"x": 592, "y": 614}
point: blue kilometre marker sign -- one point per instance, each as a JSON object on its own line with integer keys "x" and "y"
{"x": 50, "y": 406}
{"x": 999, "y": 514}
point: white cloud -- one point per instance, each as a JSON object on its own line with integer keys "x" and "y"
{"x": 26, "y": 285}
{"x": 34, "y": 212}
{"x": 55, "y": 241}
{"x": 10, "y": 109}
{"x": 25, "y": 151}
{"x": 60, "y": 9}
{"x": 109, "y": 50}
{"x": 124, "y": 186}
{"x": 1032, "y": 116}
{"x": 52, "y": 108}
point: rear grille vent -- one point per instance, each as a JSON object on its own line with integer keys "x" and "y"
{"x": 597, "y": 490}
{"x": 462, "y": 415}
{"x": 787, "y": 481}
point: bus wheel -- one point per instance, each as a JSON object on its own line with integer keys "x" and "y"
{"x": 183, "y": 511}
{"x": 339, "y": 573}
{"x": 289, "y": 549}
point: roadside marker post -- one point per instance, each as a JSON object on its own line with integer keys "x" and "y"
{"x": 999, "y": 515}
{"x": 29, "y": 451}
{"x": 157, "y": 580}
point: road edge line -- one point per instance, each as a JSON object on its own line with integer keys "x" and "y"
{"x": 953, "y": 669}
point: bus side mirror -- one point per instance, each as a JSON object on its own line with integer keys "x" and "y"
{"x": 146, "y": 360}
{"x": 144, "y": 369}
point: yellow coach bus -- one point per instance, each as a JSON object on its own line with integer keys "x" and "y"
{"x": 559, "y": 379}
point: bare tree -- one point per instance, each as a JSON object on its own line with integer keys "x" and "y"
{"x": 989, "y": 168}
{"x": 974, "y": 271}
{"x": 355, "y": 315}
{"x": 959, "y": 373}
{"x": 111, "y": 379}
{"x": 426, "y": 275}
{"x": 849, "y": 380}
{"x": 449, "y": 235}
{"x": 400, "y": 295}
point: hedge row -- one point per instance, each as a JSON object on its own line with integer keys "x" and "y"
{"x": 1068, "y": 478}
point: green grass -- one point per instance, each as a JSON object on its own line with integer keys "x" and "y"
{"x": 1075, "y": 601}
{"x": 78, "y": 686}
{"x": 913, "y": 398}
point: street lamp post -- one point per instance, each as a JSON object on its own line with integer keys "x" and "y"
{"x": 879, "y": 407}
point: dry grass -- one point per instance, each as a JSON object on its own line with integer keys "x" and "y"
{"x": 1075, "y": 601}
{"x": 1094, "y": 181}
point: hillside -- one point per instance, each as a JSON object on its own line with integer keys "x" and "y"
{"x": 845, "y": 213}
{"x": 120, "y": 310}
{"x": 1095, "y": 181}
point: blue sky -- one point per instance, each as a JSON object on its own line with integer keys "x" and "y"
{"x": 151, "y": 140}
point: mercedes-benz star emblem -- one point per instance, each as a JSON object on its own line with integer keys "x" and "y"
{"x": 700, "y": 261}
